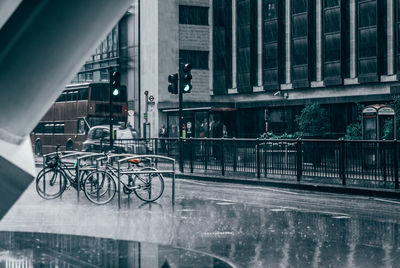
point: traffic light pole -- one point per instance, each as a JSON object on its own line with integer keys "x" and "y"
{"x": 110, "y": 71}
{"x": 180, "y": 122}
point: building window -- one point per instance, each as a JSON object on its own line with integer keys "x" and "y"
{"x": 198, "y": 59}
{"x": 193, "y": 15}
{"x": 367, "y": 41}
{"x": 222, "y": 43}
{"x": 270, "y": 41}
{"x": 300, "y": 41}
{"x": 332, "y": 37}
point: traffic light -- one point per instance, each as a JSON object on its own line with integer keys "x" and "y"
{"x": 173, "y": 83}
{"x": 115, "y": 81}
{"x": 186, "y": 78}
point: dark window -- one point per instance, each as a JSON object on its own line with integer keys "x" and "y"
{"x": 300, "y": 25}
{"x": 83, "y": 94}
{"x": 332, "y": 20}
{"x": 332, "y": 47}
{"x": 300, "y": 52}
{"x": 299, "y": 6}
{"x": 367, "y": 14}
{"x": 271, "y": 9}
{"x": 58, "y": 127}
{"x": 193, "y": 15}
{"x": 198, "y": 59}
{"x": 270, "y": 44}
{"x": 271, "y": 56}
{"x": 367, "y": 44}
{"x": 332, "y": 3}
{"x": 102, "y": 93}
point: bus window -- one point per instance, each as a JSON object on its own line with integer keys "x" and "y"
{"x": 58, "y": 127}
{"x": 83, "y": 94}
{"x": 48, "y": 127}
{"x": 99, "y": 94}
{"x": 62, "y": 97}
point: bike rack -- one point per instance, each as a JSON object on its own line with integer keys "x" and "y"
{"x": 154, "y": 157}
{"x": 81, "y": 168}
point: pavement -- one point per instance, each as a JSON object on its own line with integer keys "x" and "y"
{"x": 245, "y": 225}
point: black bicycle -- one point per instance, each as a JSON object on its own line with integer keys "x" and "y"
{"x": 56, "y": 177}
{"x": 100, "y": 185}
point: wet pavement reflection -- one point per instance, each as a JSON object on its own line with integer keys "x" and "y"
{"x": 241, "y": 225}
{"x": 19, "y": 249}
{"x": 280, "y": 237}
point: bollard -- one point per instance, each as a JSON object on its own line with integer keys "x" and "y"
{"x": 222, "y": 157}
{"x": 396, "y": 165}
{"x": 191, "y": 154}
{"x": 341, "y": 162}
{"x": 299, "y": 159}
{"x": 258, "y": 160}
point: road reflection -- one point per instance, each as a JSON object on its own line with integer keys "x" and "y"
{"x": 283, "y": 237}
{"x": 21, "y": 249}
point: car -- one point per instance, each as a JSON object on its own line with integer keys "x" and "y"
{"x": 126, "y": 140}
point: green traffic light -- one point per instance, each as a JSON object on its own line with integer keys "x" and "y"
{"x": 116, "y": 92}
{"x": 187, "y": 88}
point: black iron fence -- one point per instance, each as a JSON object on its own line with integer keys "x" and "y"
{"x": 361, "y": 163}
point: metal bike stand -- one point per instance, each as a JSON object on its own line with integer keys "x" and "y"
{"x": 80, "y": 169}
{"x": 156, "y": 157}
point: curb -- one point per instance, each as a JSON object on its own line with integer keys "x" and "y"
{"x": 387, "y": 193}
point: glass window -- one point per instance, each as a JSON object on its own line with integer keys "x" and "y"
{"x": 300, "y": 26}
{"x": 332, "y": 20}
{"x": 193, "y": 15}
{"x": 270, "y": 31}
{"x": 58, "y": 127}
{"x": 270, "y": 9}
{"x": 299, "y": 6}
{"x": 83, "y": 94}
{"x": 198, "y": 59}
{"x": 332, "y": 3}
{"x": 300, "y": 52}
{"x": 201, "y": 125}
{"x": 367, "y": 44}
{"x": 271, "y": 56}
{"x": 173, "y": 130}
{"x": 367, "y": 14}
{"x": 48, "y": 127}
{"x": 104, "y": 75}
{"x": 332, "y": 47}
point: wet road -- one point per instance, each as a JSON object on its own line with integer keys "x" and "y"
{"x": 246, "y": 225}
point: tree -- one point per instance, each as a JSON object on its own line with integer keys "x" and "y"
{"x": 313, "y": 120}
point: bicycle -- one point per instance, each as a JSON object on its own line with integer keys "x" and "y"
{"x": 147, "y": 186}
{"x": 56, "y": 177}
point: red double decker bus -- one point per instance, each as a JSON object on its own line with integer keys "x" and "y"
{"x": 78, "y": 108}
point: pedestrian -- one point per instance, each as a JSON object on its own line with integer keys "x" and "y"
{"x": 162, "y": 135}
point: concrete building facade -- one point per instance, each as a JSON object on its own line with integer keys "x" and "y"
{"x": 256, "y": 63}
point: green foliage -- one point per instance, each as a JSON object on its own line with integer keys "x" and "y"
{"x": 284, "y": 136}
{"x": 396, "y": 106}
{"x": 388, "y": 130}
{"x": 313, "y": 120}
{"x": 354, "y": 132}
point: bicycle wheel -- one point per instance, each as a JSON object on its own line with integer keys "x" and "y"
{"x": 148, "y": 186}
{"x": 99, "y": 187}
{"x": 50, "y": 183}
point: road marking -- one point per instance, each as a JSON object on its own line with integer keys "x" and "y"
{"x": 388, "y": 201}
{"x": 225, "y": 203}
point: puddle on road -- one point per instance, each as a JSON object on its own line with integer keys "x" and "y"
{"x": 22, "y": 249}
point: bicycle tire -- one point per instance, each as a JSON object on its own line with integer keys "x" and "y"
{"x": 50, "y": 183}
{"x": 103, "y": 194}
{"x": 150, "y": 186}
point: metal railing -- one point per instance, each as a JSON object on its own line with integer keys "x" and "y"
{"x": 360, "y": 163}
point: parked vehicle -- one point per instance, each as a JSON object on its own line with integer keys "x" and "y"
{"x": 99, "y": 136}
